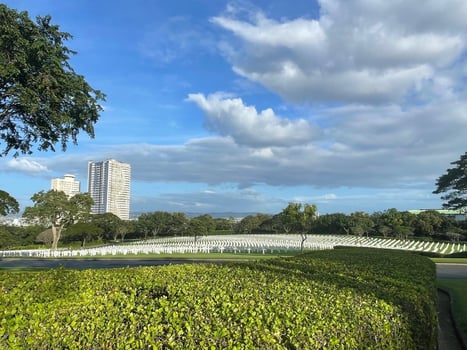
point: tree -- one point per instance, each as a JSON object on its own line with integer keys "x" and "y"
{"x": 83, "y": 231}
{"x": 45, "y": 237}
{"x": 332, "y": 224}
{"x": 250, "y": 223}
{"x": 360, "y": 223}
{"x": 155, "y": 223}
{"x": 8, "y": 205}
{"x": 197, "y": 227}
{"x": 177, "y": 224}
{"x": 108, "y": 222}
{"x": 124, "y": 228}
{"x": 43, "y": 101}
{"x": 55, "y": 209}
{"x": 454, "y": 185}
{"x": 297, "y": 220}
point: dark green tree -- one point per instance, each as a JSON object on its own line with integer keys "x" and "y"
{"x": 360, "y": 223}
{"x": 177, "y": 224}
{"x": 155, "y": 223}
{"x": 454, "y": 185}
{"x": 43, "y": 101}
{"x": 8, "y": 205}
{"x": 198, "y": 227}
{"x": 108, "y": 222}
{"x": 299, "y": 219}
{"x": 55, "y": 209}
{"x": 82, "y": 231}
{"x": 250, "y": 223}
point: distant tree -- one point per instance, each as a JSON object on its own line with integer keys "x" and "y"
{"x": 125, "y": 227}
{"x": 391, "y": 222}
{"x": 82, "y": 231}
{"x": 8, "y": 205}
{"x": 208, "y": 221}
{"x": 224, "y": 224}
{"x": 197, "y": 227}
{"x": 454, "y": 185}
{"x": 43, "y": 101}
{"x": 299, "y": 219}
{"x": 177, "y": 224}
{"x": 429, "y": 223}
{"x": 45, "y": 237}
{"x": 108, "y": 222}
{"x": 250, "y": 223}
{"x": 54, "y": 208}
{"x": 332, "y": 224}
{"x": 155, "y": 223}
{"x": 7, "y": 240}
{"x": 360, "y": 223}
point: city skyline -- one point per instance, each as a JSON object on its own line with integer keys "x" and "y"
{"x": 245, "y": 106}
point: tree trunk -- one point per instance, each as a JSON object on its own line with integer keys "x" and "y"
{"x": 302, "y": 243}
{"x": 56, "y": 232}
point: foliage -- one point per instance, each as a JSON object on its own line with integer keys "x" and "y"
{"x": 200, "y": 226}
{"x": 155, "y": 223}
{"x": 82, "y": 231}
{"x": 296, "y": 219}
{"x": 251, "y": 223}
{"x": 45, "y": 237}
{"x": 108, "y": 223}
{"x": 18, "y": 236}
{"x": 43, "y": 101}
{"x": 8, "y": 204}
{"x": 342, "y": 299}
{"x": 454, "y": 184}
{"x": 55, "y": 209}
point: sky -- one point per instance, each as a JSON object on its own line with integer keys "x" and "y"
{"x": 245, "y": 106}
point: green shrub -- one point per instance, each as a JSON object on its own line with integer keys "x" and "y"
{"x": 345, "y": 299}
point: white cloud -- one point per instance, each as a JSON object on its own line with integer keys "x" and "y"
{"x": 357, "y": 51}
{"x": 231, "y": 117}
{"x": 26, "y": 166}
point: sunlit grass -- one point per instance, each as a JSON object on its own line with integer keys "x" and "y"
{"x": 457, "y": 289}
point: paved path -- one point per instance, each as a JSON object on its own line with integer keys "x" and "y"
{"x": 447, "y": 335}
{"x": 87, "y": 263}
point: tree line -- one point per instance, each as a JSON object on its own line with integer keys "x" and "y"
{"x": 81, "y": 228}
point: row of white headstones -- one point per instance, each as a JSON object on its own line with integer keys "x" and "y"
{"x": 240, "y": 244}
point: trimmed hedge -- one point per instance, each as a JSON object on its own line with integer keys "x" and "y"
{"x": 341, "y": 299}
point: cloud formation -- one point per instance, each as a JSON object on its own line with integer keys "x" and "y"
{"x": 231, "y": 117}
{"x": 24, "y": 165}
{"x": 356, "y": 52}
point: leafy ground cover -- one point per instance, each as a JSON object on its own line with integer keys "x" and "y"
{"x": 340, "y": 299}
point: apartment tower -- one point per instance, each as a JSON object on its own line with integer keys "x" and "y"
{"x": 68, "y": 185}
{"x": 109, "y": 187}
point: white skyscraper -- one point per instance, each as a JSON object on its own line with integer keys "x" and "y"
{"x": 109, "y": 187}
{"x": 68, "y": 185}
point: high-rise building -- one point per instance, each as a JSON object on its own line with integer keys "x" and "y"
{"x": 109, "y": 187}
{"x": 68, "y": 185}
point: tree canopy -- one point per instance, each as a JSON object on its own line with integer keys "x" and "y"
{"x": 55, "y": 209}
{"x": 43, "y": 101}
{"x": 454, "y": 185}
{"x": 8, "y": 205}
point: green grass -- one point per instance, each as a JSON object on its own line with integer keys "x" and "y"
{"x": 450, "y": 260}
{"x": 457, "y": 289}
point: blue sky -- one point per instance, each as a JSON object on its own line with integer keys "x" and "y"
{"x": 245, "y": 106}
